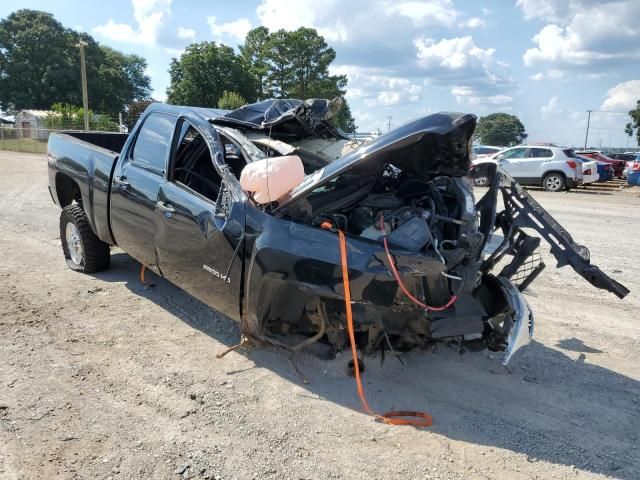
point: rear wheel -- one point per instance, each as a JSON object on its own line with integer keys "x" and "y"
{"x": 83, "y": 251}
{"x": 554, "y": 182}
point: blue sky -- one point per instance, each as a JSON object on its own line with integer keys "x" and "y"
{"x": 547, "y": 61}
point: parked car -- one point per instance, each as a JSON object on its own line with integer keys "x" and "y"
{"x": 554, "y": 168}
{"x": 618, "y": 165}
{"x": 629, "y": 164}
{"x": 589, "y": 169}
{"x": 633, "y": 176}
{"x": 481, "y": 151}
{"x": 626, "y": 157}
{"x": 399, "y": 209}
{"x": 605, "y": 171}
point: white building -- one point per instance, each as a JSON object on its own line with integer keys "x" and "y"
{"x": 31, "y": 124}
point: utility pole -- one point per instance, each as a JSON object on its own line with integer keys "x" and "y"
{"x": 389, "y": 123}
{"x": 85, "y": 94}
{"x": 586, "y": 137}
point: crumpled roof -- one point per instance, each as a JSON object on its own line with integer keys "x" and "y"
{"x": 287, "y": 117}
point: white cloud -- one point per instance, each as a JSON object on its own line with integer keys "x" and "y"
{"x": 623, "y": 97}
{"x": 152, "y": 28}
{"x": 451, "y": 53}
{"x": 236, "y": 29}
{"x": 376, "y": 88}
{"x": 150, "y": 17}
{"x": 548, "y": 75}
{"x": 186, "y": 33}
{"x": 550, "y": 107}
{"x": 436, "y": 12}
{"x": 583, "y": 34}
{"x": 374, "y": 55}
{"x": 473, "y": 22}
{"x": 477, "y": 77}
{"x": 471, "y": 96}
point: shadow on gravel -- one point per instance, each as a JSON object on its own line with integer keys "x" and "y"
{"x": 550, "y": 407}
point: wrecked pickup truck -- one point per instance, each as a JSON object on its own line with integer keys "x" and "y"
{"x": 426, "y": 262}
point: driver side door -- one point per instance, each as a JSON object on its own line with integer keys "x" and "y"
{"x": 201, "y": 221}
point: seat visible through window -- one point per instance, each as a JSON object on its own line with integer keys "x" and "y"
{"x": 193, "y": 166}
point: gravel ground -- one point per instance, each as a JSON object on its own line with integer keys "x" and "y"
{"x": 102, "y": 378}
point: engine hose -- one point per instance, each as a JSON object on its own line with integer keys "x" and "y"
{"x": 401, "y": 284}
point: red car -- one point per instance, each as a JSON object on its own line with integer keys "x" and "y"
{"x": 617, "y": 165}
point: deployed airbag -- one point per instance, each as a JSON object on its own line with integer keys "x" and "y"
{"x": 272, "y": 178}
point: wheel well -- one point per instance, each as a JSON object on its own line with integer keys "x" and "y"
{"x": 67, "y": 190}
{"x": 554, "y": 171}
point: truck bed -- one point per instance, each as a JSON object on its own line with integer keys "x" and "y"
{"x": 85, "y": 159}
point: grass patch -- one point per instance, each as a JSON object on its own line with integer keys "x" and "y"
{"x": 23, "y": 145}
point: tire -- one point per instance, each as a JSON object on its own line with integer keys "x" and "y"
{"x": 554, "y": 182}
{"x": 83, "y": 251}
{"x": 481, "y": 181}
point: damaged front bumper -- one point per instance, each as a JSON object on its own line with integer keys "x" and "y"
{"x": 411, "y": 187}
{"x": 522, "y": 319}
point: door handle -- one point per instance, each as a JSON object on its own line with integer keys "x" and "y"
{"x": 122, "y": 182}
{"x": 166, "y": 208}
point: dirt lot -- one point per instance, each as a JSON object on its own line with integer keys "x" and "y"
{"x": 100, "y": 378}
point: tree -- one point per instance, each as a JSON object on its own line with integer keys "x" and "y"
{"x": 253, "y": 53}
{"x": 70, "y": 117}
{"x": 344, "y": 119}
{"x": 134, "y": 110}
{"x": 634, "y": 125}
{"x": 231, "y": 101}
{"x": 501, "y": 129}
{"x": 295, "y": 64}
{"x": 40, "y": 66}
{"x": 121, "y": 79}
{"x": 204, "y": 71}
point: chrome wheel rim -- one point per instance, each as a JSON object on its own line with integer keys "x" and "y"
{"x": 553, "y": 183}
{"x": 481, "y": 181}
{"x": 74, "y": 243}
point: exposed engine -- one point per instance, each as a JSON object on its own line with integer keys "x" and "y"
{"x": 432, "y": 238}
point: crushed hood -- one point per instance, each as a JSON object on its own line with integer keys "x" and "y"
{"x": 286, "y": 117}
{"x": 427, "y": 147}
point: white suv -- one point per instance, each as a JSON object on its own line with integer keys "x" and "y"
{"x": 554, "y": 168}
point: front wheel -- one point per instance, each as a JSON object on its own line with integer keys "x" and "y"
{"x": 481, "y": 181}
{"x": 554, "y": 182}
{"x": 83, "y": 251}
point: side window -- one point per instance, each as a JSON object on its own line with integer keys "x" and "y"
{"x": 541, "y": 153}
{"x": 153, "y": 142}
{"x": 515, "y": 153}
{"x": 192, "y": 165}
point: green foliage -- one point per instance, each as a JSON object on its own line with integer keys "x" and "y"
{"x": 344, "y": 120}
{"x": 40, "y": 66}
{"x": 634, "y": 125}
{"x": 231, "y": 101}
{"x": 253, "y": 53}
{"x": 500, "y": 129}
{"x": 134, "y": 110}
{"x": 70, "y": 117}
{"x": 295, "y": 64}
{"x": 204, "y": 71}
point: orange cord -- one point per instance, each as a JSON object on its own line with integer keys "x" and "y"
{"x": 417, "y": 419}
{"x": 142, "y": 268}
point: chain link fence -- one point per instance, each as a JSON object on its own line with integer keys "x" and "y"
{"x": 32, "y": 136}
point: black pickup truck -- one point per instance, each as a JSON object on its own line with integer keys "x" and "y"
{"x": 419, "y": 259}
